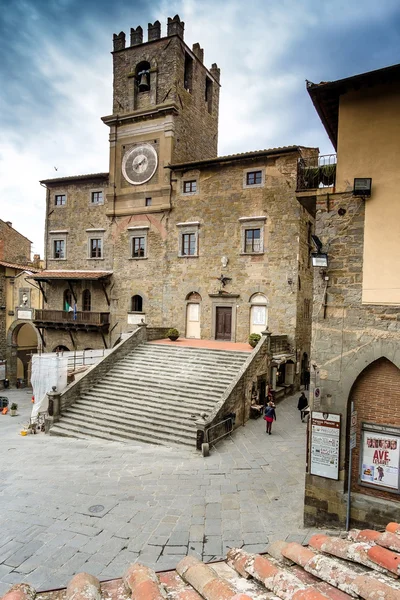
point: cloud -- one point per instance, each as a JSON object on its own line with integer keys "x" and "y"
{"x": 57, "y": 75}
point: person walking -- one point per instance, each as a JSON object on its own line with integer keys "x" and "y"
{"x": 269, "y": 416}
{"x": 301, "y": 405}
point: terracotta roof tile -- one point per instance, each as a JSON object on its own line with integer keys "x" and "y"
{"x": 61, "y": 274}
{"x": 330, "y": 568}
{"x": 18, "y": 266}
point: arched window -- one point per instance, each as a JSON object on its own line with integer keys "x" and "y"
{"x": 137, "y": 303}
{"x": 86, "y": 300}
{"x": 143, "y": 76}
{"x": 193, "y": 297}
{"x": 67, "y": 300}
{"x": 258, "y": 313}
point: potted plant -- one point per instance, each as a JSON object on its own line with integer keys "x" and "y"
{"x": 13, "y": 409}
{"x": 254, "y": 338}
{"x": 173, "y": 334}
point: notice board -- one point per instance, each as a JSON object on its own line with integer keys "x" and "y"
{"x": 325, "y": 443}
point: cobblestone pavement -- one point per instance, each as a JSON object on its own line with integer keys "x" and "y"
{"x": 68, "y": 505}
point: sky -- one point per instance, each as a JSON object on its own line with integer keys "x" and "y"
{"x": 56, "y": 78}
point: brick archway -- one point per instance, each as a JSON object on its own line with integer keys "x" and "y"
{"x": 376, "y": 397}
{"x": 12, "y": 352}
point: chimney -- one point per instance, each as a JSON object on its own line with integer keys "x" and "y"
{"x": 175, "y": 26}
{"x": 215, "y": 71}
{"x": 136, "y": 36}
{"x": 9, "y": 223}
{"x": 36, "y": 260}
{"x": 119, "y": 41}
{"x": 197, "y": 51}
{"x": 154, "y": 31}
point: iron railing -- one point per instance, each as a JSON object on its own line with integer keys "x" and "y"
{"x": 316, "y": 172}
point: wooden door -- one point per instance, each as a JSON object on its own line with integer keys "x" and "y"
{"x": 223, "y": 328}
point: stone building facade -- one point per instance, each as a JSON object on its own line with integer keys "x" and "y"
{"x": 356, "y": 319}
{"x": 174, "y": 235}
{"x": 18, "y": 299}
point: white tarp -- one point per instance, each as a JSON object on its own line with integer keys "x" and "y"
{"x": 48, "y": 370}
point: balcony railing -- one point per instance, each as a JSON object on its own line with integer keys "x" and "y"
{"x": 78, "y": 319}
{"x": 316, "y": 172}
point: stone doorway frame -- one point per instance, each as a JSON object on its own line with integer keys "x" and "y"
{"x": 223, "y": 301}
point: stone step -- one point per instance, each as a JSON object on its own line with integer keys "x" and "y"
{"x": 155, "y": 359}
{"x": 134, "y": 419}
{"x": 190, "y": 354}
{"x": 158, "y": 392}
{"x": 170, "y": 381}
{"x": 169, "y": 349}
{"x": 184, "y": 406}
{"x": 178, "y": 368}
{"x": 100, "y": 430}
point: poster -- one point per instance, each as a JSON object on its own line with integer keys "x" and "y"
{"x": 325, "y": 438}
{"x": 380, "y": 459}
{"x": 194, "y": 313}
{"x": 259, "y": 315}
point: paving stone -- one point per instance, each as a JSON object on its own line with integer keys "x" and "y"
{"x": 196, "y": 533}
{"x": 23, "y": 553}
{"x": 178, "y": 538}
{"x": 182, "y": 550}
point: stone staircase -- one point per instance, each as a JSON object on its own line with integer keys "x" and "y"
{"x": 155, "y": 395}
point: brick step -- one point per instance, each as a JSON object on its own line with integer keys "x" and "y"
{"x": 146, "y": 434}
{"x": 182, "y": 424}
{"x": 153, "y": 402}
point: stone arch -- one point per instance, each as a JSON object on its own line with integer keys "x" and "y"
{"x": 258, "y": 314}
{"x": 12, "y": 352}
{"x": 375, "y": 395}
{"x": 193, "y": 302}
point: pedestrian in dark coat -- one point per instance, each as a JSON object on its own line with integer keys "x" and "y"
{"x": 301, "y": 405}
{"x": 269, "y": 416}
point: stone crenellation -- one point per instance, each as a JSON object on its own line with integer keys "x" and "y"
{"x": 174, "y": 27}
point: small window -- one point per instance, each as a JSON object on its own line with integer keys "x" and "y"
{"x": 138, "y": 247}
{"x": 59, "y": 249}
{"x": 97, "y": 197}
{"x": 148, "y": 202}
{"x": 137, "y": 303}
{"x": 190, "y": 187}
{"x": 188, "y": 244}
{"x": 307, "y": 309}
{"x": 252, "y": 241}
{"x": 95, "y": 248}
{"x": 188, "y": 75}
{"x": 60, "y": 200}
{"x": 86, "y": 300}
{"x": 254, "y": 178}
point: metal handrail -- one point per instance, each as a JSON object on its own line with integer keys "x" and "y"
{"x": 205, "y": 447}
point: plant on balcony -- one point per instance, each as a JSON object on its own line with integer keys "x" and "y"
{"x": 254, "y": 338}
{"x": 311, "y": 177}
{"x": 173, "y": 334}
{"x": 13, "y": 409}
{"x": 327, "y": 174}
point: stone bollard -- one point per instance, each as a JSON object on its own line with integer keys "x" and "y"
{"x": 54, "y": 404}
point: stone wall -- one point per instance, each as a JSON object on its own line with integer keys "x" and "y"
{"x": 3, "y": 342}
{"x": 348, "y": 336}
{"x": 14, "y": 247}
{"x": 237, "y": 398}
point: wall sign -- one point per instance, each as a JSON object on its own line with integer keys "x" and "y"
{"x": 380, "y": 457}
{"x": 325, "y": 438}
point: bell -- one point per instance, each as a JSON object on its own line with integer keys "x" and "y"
{"x": 143, "y": 82}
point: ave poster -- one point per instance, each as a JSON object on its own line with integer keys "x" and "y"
{"x": 380, "y": 459}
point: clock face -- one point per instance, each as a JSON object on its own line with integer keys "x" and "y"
{"x": 139, "y": 164}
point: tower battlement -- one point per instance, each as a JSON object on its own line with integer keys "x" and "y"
{"x": 174, "y": 27}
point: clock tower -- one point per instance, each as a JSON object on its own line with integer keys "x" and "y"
{"x": 165, "y": 111}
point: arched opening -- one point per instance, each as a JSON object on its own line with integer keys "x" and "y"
{"x": 375, "y": 396}
{"x": 86, "y": 300}
{"x": 61, "y": 349}
{"x": 137, "y": 303}
{"x": 67, "y": 300}
{"x": 193, "y": 301}
{"x": 258, "y": 313}
{"x": 26, "y": 342}
{"x": 143, "y": 76}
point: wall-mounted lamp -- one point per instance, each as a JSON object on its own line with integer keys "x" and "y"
{"x": 362, "y": 186}
{"x": 319, "y": 259}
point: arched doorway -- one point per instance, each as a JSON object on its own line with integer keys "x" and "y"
{"x": 375, "y": 396}
{"x": 193, "y": 301}
{"x": 258, "y": 313}
{"x": 22, "y": 342}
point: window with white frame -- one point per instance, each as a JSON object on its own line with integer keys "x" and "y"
{"x": 96, "y": 197}
{"x": 189, "y": 239}
{"x": 138, "y": 242}
{"x": 252, "y": 235}
{"x": 60, "y": 200}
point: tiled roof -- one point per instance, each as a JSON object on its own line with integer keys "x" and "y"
{"x": 365, "y": 565}
{"x": 72, "y": 178}
{"x": 60, "y": 274}
{"x": 16, "y": 266}
{"x": 239, "y": 156}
